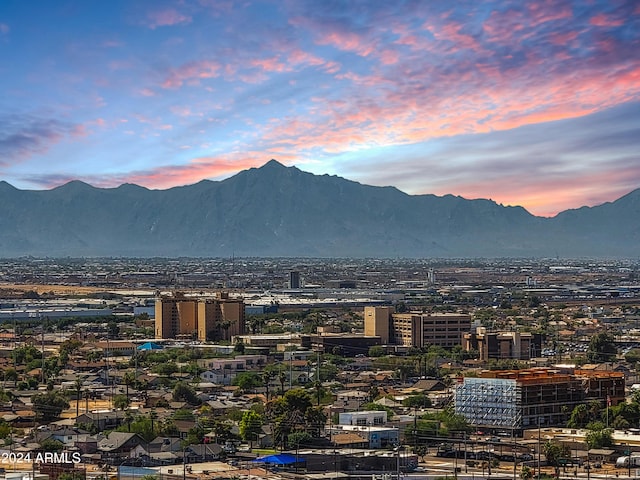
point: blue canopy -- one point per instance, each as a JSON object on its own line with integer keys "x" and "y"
{"x": 150, "y": 346}
{"x": 279, "y": 459}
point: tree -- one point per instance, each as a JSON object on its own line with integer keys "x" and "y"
{"x": 282, "y": 377}
{"x": 250, "y": 425}
{"x": 48, "y": 406}
{"x": 113, "y": 329}
{"x": 185, "y": 393}
{"x": 247, "y": 381}
{"x": 526, "y": 473}
{"x": 267, "y": 376}
{"x": 579, "y": 416}
{"x": 120, "y": 402}
{"x": 128, "y": 418}
{"x": 293, "y": 412}
{"x": 195, "y": 436}
{"x": 129, "y": 378}
{"x": 143, "y": 425}
{"x": 602, "y": 348}
{"x": 222, "y": 431}
{"x": 239, "y": 347}
{"x": 52, "y": 445}
{"x": 298, "y": 439}
{"x": 376, "y": 351}
{"x": 10, "y": 374}
{"x": 598, "y": 436}
{"x": 166, "y": 369}
{"x": 633, "y": 356}
{"x": 420, "y": 400}
{"x": 78, "y": 385}
{"x": 554, "y": 453}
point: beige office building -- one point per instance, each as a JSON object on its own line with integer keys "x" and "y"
{"x": 181, "y": 316}
{"x": 416, "y": 329}
{"x": 376, "y": 322}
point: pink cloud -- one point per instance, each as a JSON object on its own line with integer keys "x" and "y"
{"x": 418, "y": 111}
{"x": 563, "y": 38}
{"x": 546, "y": 195}
{"x": 501, "y": 27}
{"x": 4, "y": 28}
{"x": 297, "y": 56}
{"x": 539, "y": 12}
{"x": 194, "y": 171}
{"x": 452, "y": 32}
{"x": 603, "y": 20}
{"x": 193, "y": 71}
{"x": 389, "y": 57}
{"x": 347, "y": 41}
{"x": 269, "y": 65}
{"x": 166, "y": 18}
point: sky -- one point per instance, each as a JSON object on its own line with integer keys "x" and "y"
{"x": 531, "y": 103}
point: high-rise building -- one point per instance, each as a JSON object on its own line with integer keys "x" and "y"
{"x": 377, "y": 322}
{"x": 181, "y": 316}
{"x": 416, "y": 329}
{"x": 294, "y": 280}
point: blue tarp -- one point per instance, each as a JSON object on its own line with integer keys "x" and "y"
{"x": 279, "y": 459}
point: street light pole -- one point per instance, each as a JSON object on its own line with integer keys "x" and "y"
{"x": 398, "y": 462}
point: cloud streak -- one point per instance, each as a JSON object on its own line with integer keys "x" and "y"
{"x": 25, "y": 135}
{"x": 191, "y": 90}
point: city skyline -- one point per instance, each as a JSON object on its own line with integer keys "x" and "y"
{"x": 527, "y": 103}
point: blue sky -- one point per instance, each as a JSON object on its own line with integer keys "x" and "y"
{"x": 532, "y": 103}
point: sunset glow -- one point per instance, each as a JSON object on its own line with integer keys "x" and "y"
{"x": 531, "y": 103}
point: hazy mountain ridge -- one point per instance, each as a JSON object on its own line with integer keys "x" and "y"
{"x": 281, "y": 211}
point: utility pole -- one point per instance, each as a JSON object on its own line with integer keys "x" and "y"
{"x": 42, "y": 327}
{"x": 539, "y": 447}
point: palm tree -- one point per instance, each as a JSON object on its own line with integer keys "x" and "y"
{"x": 282, "y": 376}
{"x": 128, "y": 418}
{"x": 267, "y": 375}
{"x": 78, "y": 385}
{"x": 128, "y": 378}
{"x": 153, "y": 415}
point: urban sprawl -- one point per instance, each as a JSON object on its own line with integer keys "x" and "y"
{"x": 248, "y": 368}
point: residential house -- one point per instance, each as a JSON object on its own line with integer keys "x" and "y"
{"x": 101, "y": 420}
{"x": 118, "y": 446}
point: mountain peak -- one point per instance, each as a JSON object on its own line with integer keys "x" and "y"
{"x": 273, "y": 164}
{"x": 75, "y": 185}
{"x": 7, "y": 186}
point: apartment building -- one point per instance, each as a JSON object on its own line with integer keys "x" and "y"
{"x": 188, "y": 317}
{"x": 416, "y": 329}
{"x": 519, "y": 399}
{"x": 224, "y": 370}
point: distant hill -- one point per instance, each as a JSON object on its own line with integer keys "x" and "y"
{"x": 282, "y": 211}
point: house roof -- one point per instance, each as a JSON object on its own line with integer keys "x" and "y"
{"x": 429, "y": 385}
{"x": 115, "y": 440}
{"x": 387, "y": 402}
{"x": 347, "y": 438}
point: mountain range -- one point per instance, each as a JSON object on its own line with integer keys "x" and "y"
{"x": 282, "y": 211}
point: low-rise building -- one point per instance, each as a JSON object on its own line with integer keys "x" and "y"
{"x": 506, "y": 345}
